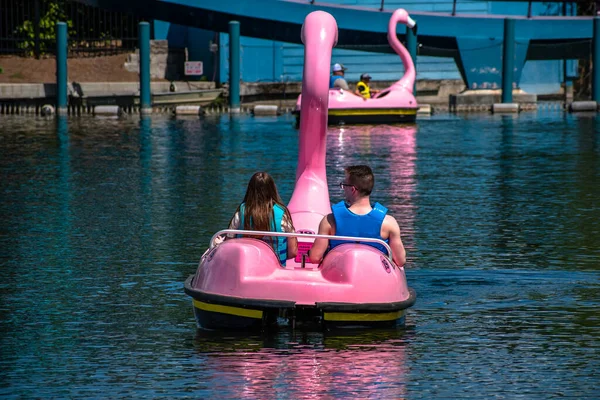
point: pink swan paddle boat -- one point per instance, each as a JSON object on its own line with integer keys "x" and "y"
{"x": 240, "y": 284}
{"x": 395, "y": 104}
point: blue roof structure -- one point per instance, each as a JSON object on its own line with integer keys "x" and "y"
{"x": 474, "y": 41}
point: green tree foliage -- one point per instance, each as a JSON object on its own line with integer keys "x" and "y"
{"x": 54, "y": 13}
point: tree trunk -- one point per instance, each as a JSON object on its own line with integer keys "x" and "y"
{"x": 582, "y": 86}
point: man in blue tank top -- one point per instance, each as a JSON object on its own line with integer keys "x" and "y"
{"x": 356, "y": 217}
{"x": 336, "y": 80}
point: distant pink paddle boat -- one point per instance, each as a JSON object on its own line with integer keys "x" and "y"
{"x": 395, "y": 104}
{"x": 240, "y": 284}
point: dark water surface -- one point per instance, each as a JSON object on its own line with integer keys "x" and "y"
{"x": 102, "y": 221}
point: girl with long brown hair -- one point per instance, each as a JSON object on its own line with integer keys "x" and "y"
{"x": 263, "y": 210}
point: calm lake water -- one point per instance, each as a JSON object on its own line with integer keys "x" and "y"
{"x": 103, "y": 219}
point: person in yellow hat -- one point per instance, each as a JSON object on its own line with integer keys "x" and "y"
{"x": 363, "y": 89}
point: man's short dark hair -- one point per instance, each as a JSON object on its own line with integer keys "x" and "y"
{"x": 361, "y": 176}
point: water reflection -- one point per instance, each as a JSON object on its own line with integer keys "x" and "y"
{"x": 505, "y": 232}
{"x": 103, "y": 219}
{"x": 145, "y": 196}
{"x": 587, "y": 184}
{"x": 64, "y": 186}
{"x": 307, "y": 364}
{"x": 558, "y": 171}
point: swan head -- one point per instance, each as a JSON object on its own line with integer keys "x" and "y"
{"x": 401, "y": 16}
{"x": 412, "y": 24}
{"x": 324, "y": 23}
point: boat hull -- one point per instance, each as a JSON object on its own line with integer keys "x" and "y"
{"x": 191, "y": 97}
{"x": 232, "y": 313}
{"x": 372, "y": 116}
{"x": 215, "y": 316}
{"x": 397, "y": 106}
{"x": 240, "y": 282}
{"x": 240, "y": 285}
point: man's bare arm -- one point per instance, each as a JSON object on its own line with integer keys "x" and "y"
{"x": 320, "y": 245}
{"x": 292, "y": 247}
{"x": 398, "y": 251}
{"x": 341, "y": 83}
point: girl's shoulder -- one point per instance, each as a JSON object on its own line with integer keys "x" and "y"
{"x": 281, "y": 208}
{"x": 287, "y": 224}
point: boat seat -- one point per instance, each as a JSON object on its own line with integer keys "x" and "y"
{"x": 381, "y": 94}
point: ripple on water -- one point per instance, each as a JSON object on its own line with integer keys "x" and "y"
{"x": 104, "y": 219}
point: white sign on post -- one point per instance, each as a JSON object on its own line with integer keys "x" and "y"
{"x": 193, "y": 68}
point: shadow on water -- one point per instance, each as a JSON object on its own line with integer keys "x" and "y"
{"x": 207, "y": 341}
